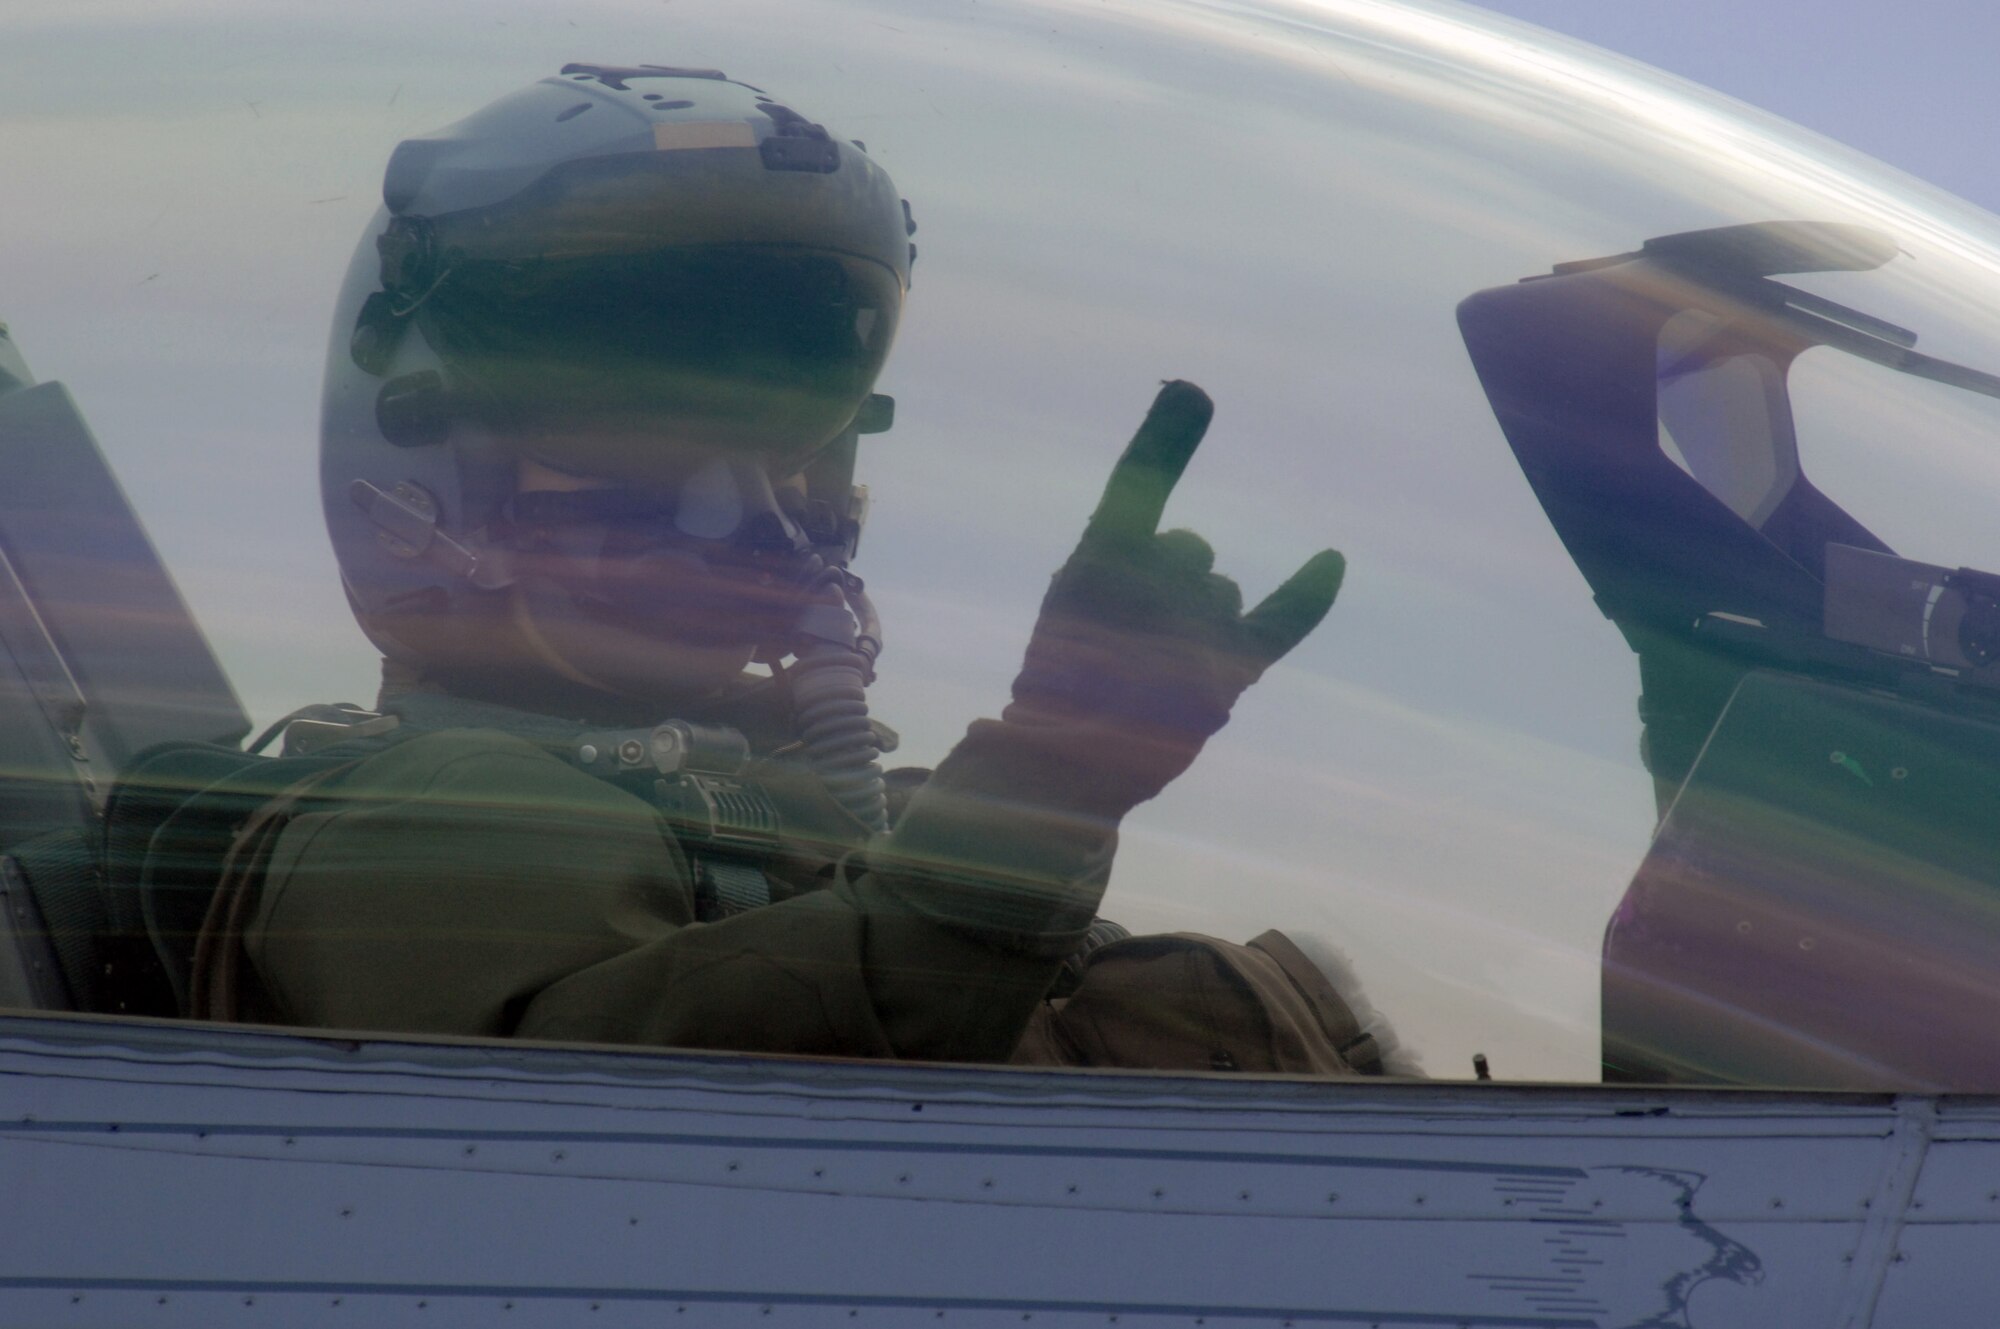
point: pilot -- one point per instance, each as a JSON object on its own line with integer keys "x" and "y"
{"x": 590, "y": 420}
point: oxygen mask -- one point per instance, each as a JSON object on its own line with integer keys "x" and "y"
{"x": 645, "y": 591}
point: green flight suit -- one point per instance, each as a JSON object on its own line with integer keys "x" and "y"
{"x": 469, "y": 881}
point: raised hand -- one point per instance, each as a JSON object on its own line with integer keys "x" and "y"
{"x": 1140, "y": 645}
{"x": 1138, "y": 656}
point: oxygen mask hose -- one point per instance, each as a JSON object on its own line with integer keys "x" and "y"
{"x": 830, "y": 698}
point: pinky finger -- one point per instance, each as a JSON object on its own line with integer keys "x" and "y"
{"x": 1292, "y": 611}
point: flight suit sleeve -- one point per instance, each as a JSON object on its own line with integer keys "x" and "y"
{"x": 470, "y": 883}
{"x": 848, "y": 971}
{"x": 942, "y": 950}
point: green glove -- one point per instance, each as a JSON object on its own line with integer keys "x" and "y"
{"x": 1140, "y": 652}
{"x": 1142, "y": 649}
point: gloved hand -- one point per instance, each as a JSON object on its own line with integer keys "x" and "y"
{"x": 1139, "y": 654}
{"x": 1141, "y": 649}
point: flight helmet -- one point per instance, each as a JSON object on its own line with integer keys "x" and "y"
{"x": 664, "y": 296}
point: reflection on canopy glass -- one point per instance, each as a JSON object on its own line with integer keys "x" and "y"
{"x": 1605, "y": 390}
{"x": 1814, "y": 906}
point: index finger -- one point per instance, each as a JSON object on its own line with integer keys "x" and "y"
{"x": 1136, "y": 494}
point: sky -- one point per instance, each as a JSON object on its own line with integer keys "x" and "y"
{"x": 1911, "y": 83}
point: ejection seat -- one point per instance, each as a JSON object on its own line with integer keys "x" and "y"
{"x": 102, "y": 662}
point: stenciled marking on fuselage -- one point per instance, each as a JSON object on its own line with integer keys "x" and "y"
{"x": 1655, "y": 1275}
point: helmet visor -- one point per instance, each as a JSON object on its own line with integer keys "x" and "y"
{"x": 613, "y": 364}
